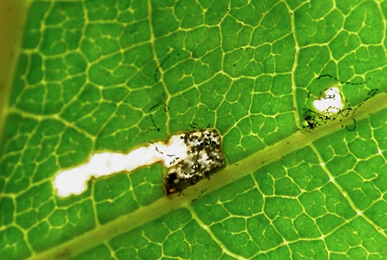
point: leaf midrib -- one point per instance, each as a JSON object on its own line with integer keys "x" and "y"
{"x": 165, "y": 205}
{"x": 12, "y": 18}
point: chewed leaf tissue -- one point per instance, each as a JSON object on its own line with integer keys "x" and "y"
{"x": 204, "y": 155}
{"x": 188, "y": 157}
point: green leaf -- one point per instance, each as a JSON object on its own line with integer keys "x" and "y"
{"x": 113, "y": 75}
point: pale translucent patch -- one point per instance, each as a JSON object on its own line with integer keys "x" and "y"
{"x": 380, "y": 152}
{"x": 74, "y": 181}
{"x": 330, "y": 103}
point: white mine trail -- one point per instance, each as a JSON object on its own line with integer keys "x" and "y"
{"x": 330, "y": 103}
{"x": 73, "y": 181}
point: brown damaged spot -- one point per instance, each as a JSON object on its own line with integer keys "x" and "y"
{"x": 204, "y": 157}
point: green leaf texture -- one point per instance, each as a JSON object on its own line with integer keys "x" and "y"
{"x": 113, "y": 75}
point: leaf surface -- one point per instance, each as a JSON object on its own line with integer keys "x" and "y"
{"x": 97, "y": 76}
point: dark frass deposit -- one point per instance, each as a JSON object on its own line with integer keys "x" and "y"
{"x": 204, "y": 156}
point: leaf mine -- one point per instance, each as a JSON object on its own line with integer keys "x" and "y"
{"x": 331, "y": 103}
{"x": 204, "y": 155}
{"x": 187, "y": 156}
